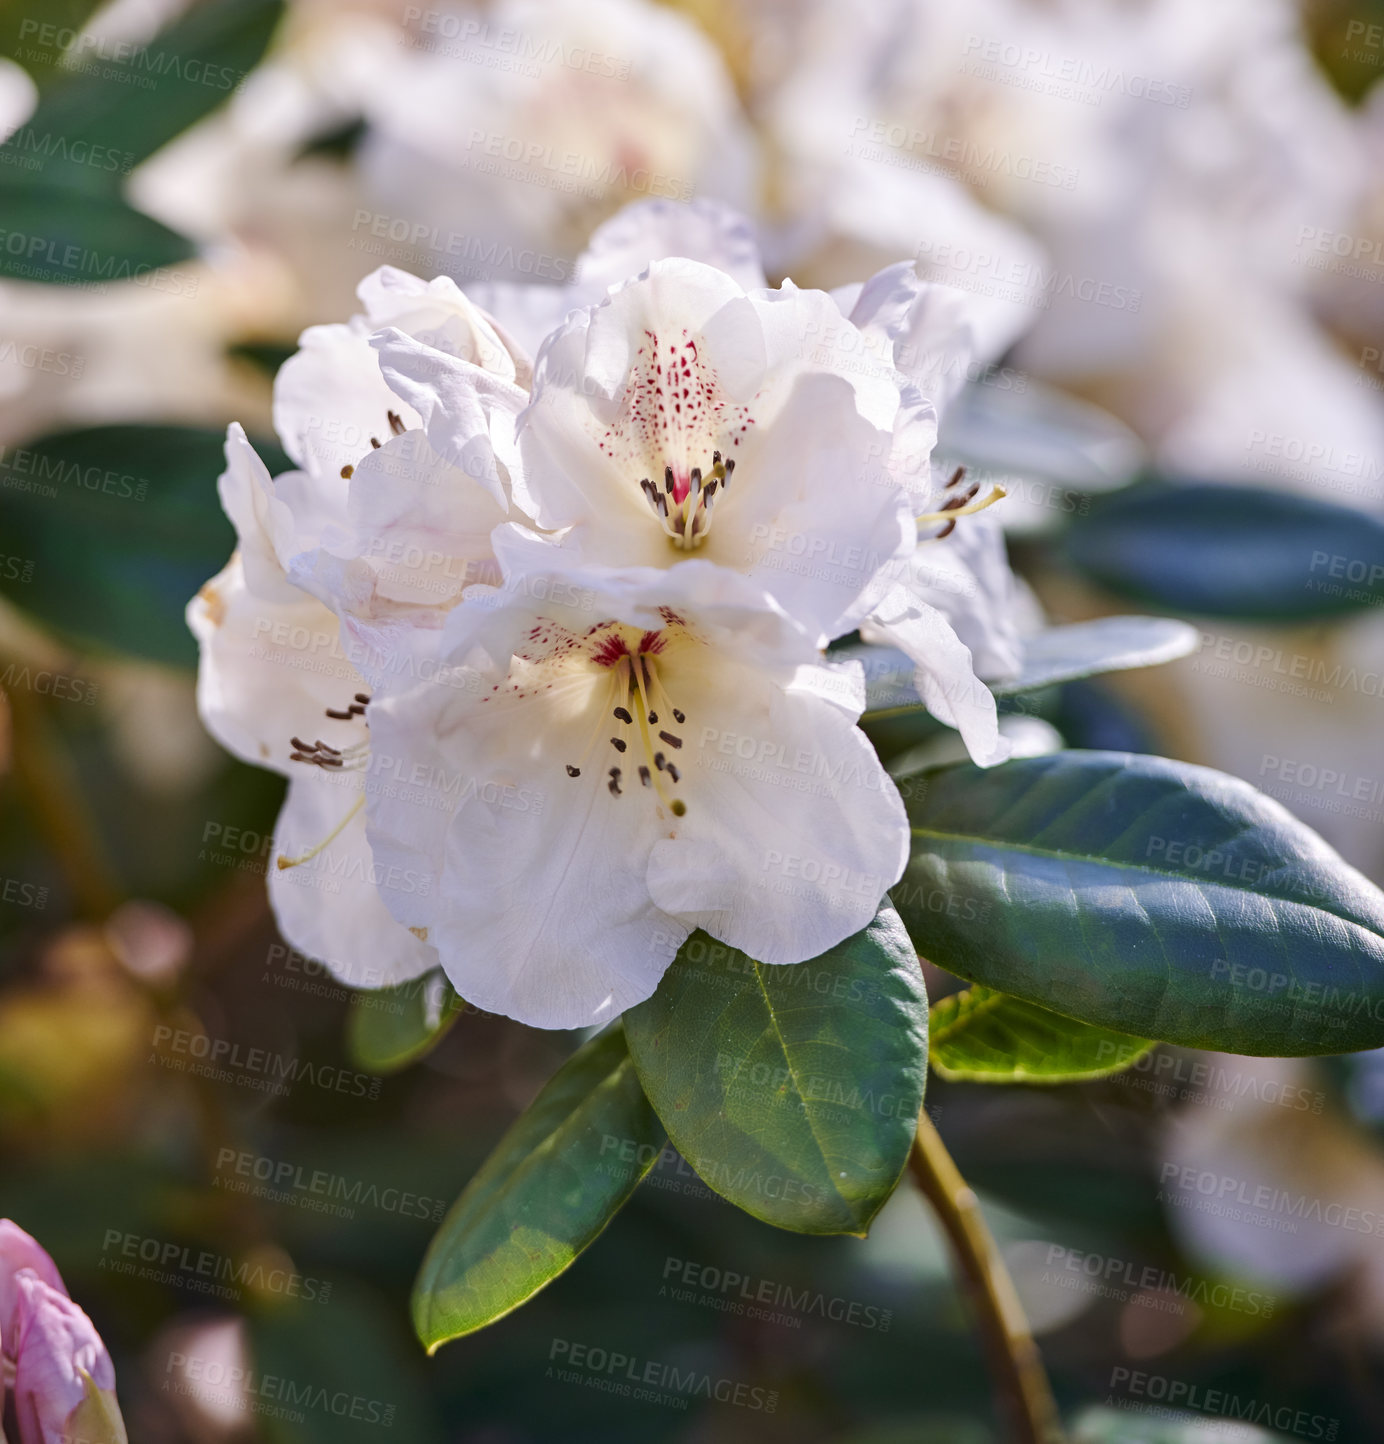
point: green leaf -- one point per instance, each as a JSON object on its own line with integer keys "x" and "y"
{"x": 1237, "y": 552}
{"x": 73, "y": 239}
{"x": 389, "y": 1028}
{"x": 1056, "y": 654}
{"x": 551, "y": 1185}
{"x": 983, "y": 1036}
{"x": 793, "y": 1091}
{"x": 1107, "y": 644}
{"x": 122, "y": 525}
{"x": 1148, "y": 896}
{"x": 128, "y": 102}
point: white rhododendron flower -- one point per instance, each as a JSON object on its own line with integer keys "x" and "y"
{"x": 628, "y": 754}
{"x": 343, "y": 572}
{"x": 541, "y": 647}
{"x": 763, "y": 430}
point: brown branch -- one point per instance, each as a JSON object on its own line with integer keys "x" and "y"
{"x": 1014, "y": 1359}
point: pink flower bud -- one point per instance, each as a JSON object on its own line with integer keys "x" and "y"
{"x": 63, "y": 1381}
{"x": 20, "y": 1251}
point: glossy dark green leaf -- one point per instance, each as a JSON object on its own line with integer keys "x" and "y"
{"x": 793, "y": 1091}
{"x": 127, "y": 101}
{"x": 1156, "y": 898}
{"x": 1237, "y": 552}
{"x": 71, "y": 239}
{"x": 389, "y": 1028}
{"x": 122, "y": 525}
{"x": 551, "y": 1185}
{"x": 982, "y": 1036}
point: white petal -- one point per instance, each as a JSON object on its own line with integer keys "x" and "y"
{"x": 813, "y": 514}
{"x": 966, "y": 577}
{"x": 468, "y": 413}
{"x": 330, "y": 399}
{"x": 330, "y": 906}
{"x": 705, "y": 230}
{"x": 793, "y": 832}
{"x": 945, "y": 679}
{"x": 541, "y": 910}
{"x": 439, "y": 313}
{"x": 264, "y": 525}
{"x": 421, "y": 523}
{"x": 267, "y": 671}
{"x": 930, "y": 329}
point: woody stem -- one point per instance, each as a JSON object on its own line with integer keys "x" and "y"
{"x": 1015, "y": 1363}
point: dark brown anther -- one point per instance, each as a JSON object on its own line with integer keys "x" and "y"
{"x": 674, "y": 773}
{"x": 679, "y": 716}
{"x": 644, "y": 776}
{"x": 623, "y": 715}
{"x": 653, "y": 719}
{"x": 374, "y": 441}
{"x": 340, "y": 716}
{"x": 347, "y": 472}
{"x": 396, "y": 423}
{"x": 659, "y": 761}
{"x": 363, "y": 697}
{"x": 668, "y": 480}
{"x": 573, "y": 771}
{"x": 617, "y": 743}
{"x": 955, "y": 478}
{"x": 614, "y": 783}
{"x": 946, "y": 530}
{"x": 670, "y": 739}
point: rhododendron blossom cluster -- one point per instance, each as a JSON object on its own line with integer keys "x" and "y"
{"x": 543, "y": 643}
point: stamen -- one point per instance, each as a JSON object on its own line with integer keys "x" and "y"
{"x": 573, "y": 771}
{"x": 374, "y": 441}
{"x": 286, "y": 862}
{"x": 614, "y": 783}
{"x": 623, "y": 715}
{"x": 679, "y": 717}
{"x": 653, "y": 716}
{"x": 675, "y": 805}
{"x": 347, "y": 472}
{"x": 686, "y": 516}
{"x": 951, "y": 512}
{"x": 675, "y": 775}
{"x": 396, "y": 423}
{"x": 618, "y": 743}
{"x": 670, "y": 739}
{"x": 644, "y": 776}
